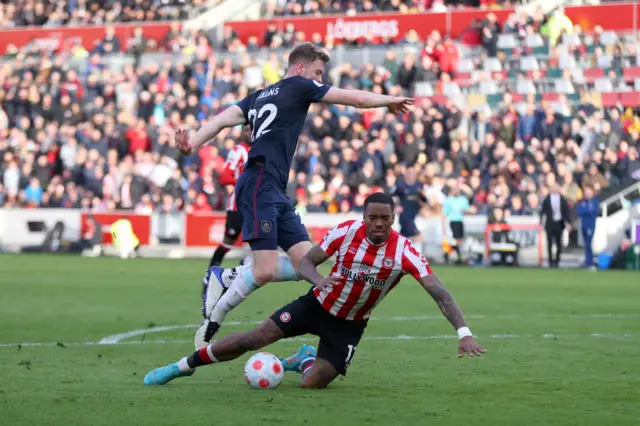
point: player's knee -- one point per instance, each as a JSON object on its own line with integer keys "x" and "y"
{"x": 313, "y": 385}
{"x": 313, "y": 382}
{"x": 229, "y": 240}
{"x": 264, "y": 273}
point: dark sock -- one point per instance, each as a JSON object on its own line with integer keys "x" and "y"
{"x": 457, "y": 249}
{"x": 218, "y": 255}
{"x": 200, "y": 358}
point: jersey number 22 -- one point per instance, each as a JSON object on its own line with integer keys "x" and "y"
{"x": 271, "y": 111}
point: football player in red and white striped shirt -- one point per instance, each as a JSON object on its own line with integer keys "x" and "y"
{"x": 233, "y": 167}
{"x": 371, "y": 258}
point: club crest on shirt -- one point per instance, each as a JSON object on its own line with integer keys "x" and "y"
{"x": 387, "y": 262}
{"x": 285, "y": 317}
{"x": 266, "y": 226}
{"x": 352, "y": 250}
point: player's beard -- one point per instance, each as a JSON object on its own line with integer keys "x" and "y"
{"x": 378, "y": 239}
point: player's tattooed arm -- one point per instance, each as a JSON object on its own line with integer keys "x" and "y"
{"x": 444, "y": 299}
{"x": 452, "y": 312}
{"x": 308, "y": 268}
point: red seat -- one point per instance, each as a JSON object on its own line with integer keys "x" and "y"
{"x": 630, "y": 99}
{"x": 463, "y": 79}
{"x": 610, "y": 99}
{"x": 517, "y": 97}
{"x": 439, "y": 99}
{"x": 591, "y": 74}
{"x": 631, "y": 73}
{"x": 551, "y": 96}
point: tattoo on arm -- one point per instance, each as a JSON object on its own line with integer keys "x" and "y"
{"x": 308, "y": 265}
{"x": 444, "y": 299}
{"x": 317, "y": 256}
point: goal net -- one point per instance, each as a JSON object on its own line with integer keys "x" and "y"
{"x": 523, "y": 242}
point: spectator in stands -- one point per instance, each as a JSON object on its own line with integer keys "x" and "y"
{"x": 86, "y": 134}
{"x": 490, "y": 41}
{"x": 558, "y": 24}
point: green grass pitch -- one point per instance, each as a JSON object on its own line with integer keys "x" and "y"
{"x": 564, "y": 349}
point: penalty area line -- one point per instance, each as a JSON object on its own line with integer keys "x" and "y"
{"x": 401, "y": 337}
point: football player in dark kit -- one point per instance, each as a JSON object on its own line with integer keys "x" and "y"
{"x": 411, "y": 196}
{"x": 276, "y": 115}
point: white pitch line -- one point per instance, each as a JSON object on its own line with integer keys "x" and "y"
{"x": 400, "y": 337}
{"x": 117, "y": 338}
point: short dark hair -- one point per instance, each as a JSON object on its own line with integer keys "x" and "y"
{"x": 379, "y": 198}
{"x": 307, "y": 52}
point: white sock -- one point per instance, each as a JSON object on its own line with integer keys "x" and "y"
{"x": 244, "y": 284}
{"x": 229, "y": 275}
{"x": 183, "y": 366}
{"x": 285, "y": 270}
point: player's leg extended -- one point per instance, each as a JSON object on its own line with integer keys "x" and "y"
{"x": 285, "y": 230}
{"x": 275, "y": 224}
{"x": 227, "y": 349}
{"x": 241, "y": 281}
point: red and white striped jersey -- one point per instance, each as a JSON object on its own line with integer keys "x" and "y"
{"x": 233, "y": 168}
{"x": 367, "y": 272}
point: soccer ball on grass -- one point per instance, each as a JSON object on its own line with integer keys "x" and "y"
{"x": 263, "y": 371}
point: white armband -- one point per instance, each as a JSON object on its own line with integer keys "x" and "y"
{"x": 464, "y": 332}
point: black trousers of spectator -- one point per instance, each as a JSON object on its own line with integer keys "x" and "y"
{"x": 554, "y": 236}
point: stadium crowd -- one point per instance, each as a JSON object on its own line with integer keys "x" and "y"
{"x": 275, "y": 8}
{"x": 102, "y": 139}
{"x": 52, "y": 13}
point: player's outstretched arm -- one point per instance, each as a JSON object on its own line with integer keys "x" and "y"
{"x": 362, "y": 99}
{"x": 230, "y": 117}
{"x": 308, "y": 268}
{"x": 452, "y": 312}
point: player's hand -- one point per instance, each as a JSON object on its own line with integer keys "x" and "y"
{"x": 470, "y": 347}
{"x": 182, "y": 142}
{"x": 400, "y": 104}
{"x": 326, "y": 283}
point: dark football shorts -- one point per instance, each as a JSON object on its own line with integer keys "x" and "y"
{"x": 269, "y": 218}
{"x": 457, "y": 229}
{"x": 233, "y": 225}
{"x": 338, "y": 337}
{"x": 408, "y": 228}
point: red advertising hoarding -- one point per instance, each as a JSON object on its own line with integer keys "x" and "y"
{"x": 206, "y": 230}
{"x": 621, "y": 16}
{"x": 141, "y": 225}
{"x": 62, "y": 37}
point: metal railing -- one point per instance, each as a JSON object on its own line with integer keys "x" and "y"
{"x": 621, "y": 200}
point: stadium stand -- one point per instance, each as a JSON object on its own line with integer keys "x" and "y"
{"x": 275, "y": 8}
{"x": 538, "y": 102}
{"x": 17, "y": 13}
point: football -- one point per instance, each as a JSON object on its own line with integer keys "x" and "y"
{"x": 263, "y": 371}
